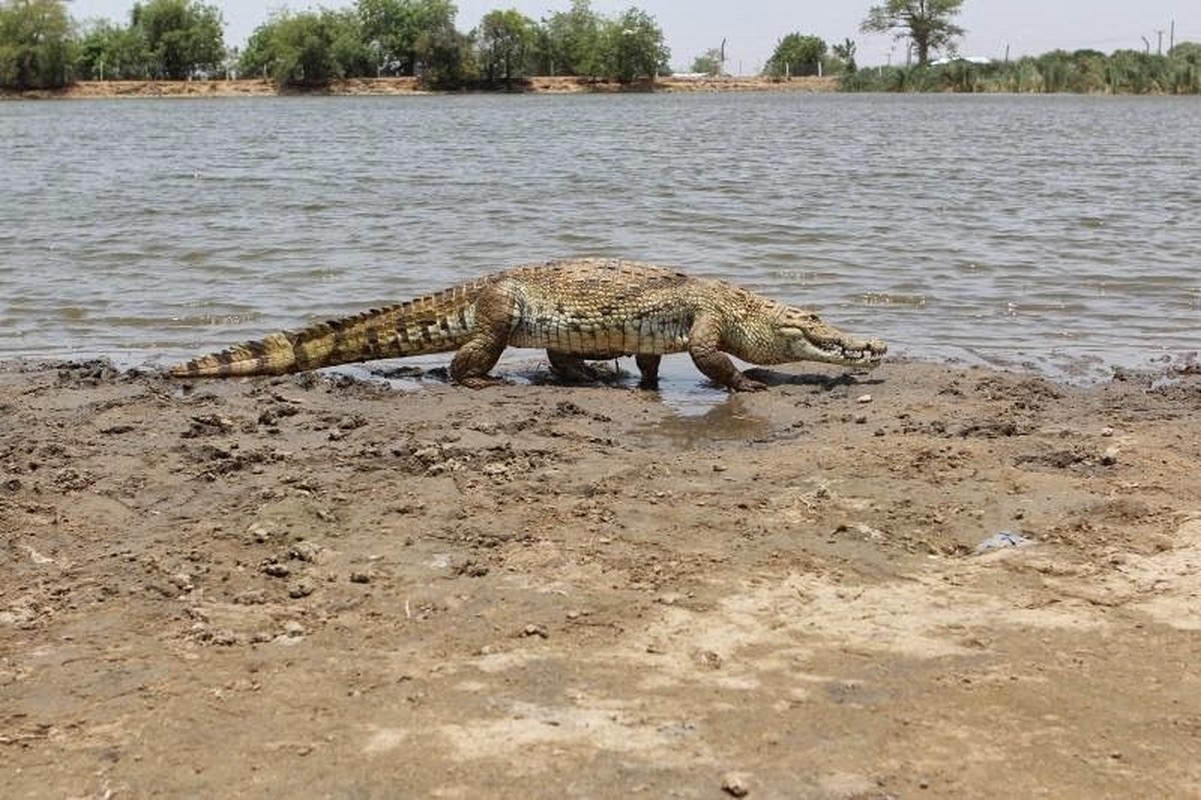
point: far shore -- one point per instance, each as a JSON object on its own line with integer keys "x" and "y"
{"x": 88, "y": 90}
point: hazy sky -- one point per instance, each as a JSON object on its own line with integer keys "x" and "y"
{"x": 752, "y": 27}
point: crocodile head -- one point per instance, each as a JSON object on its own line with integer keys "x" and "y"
{"x": 795, "y": 334}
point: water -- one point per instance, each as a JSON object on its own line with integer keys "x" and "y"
{"x": 1058, "y": 232}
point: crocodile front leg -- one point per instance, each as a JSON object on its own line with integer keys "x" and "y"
{"x": 704, "y": 341}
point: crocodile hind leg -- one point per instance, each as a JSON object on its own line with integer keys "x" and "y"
{"x": 571, "y": 368}
{"x": 648, "y": 366}
{"x": 476, "y": 358}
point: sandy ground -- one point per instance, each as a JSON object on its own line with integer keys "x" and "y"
{"x": 318, "y": 586}
{"x": 88, "y": 90}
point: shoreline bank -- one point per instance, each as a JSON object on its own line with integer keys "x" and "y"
{"x": 794, "y": 591}
{"x": 383, "y": 87}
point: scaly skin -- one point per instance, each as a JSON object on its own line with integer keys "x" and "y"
{"x": 578, "y": 310}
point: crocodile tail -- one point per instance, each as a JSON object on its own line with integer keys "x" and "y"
{"x": 439, "y": 323}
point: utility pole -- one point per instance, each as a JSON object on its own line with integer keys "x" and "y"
{"x": 1159, "y": 47}
{"x": 721, "y": 67}
{"x": 1172, "y": 38}
{"x": 1146, "y": 45}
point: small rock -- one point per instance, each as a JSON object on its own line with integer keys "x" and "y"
{"x": 258, "y": 533}
{"x": 470, "y": 568}
{"x": 1110, "y": 456}
{"x": 300, "y": 589}
{"x": 1107, "y": 431}
{"x": 535, "y": 630}
{"x": 223, "y": 638}
{"x": 428, "y": 455}
{"x": 863, "y": 398}
{"x": 1003, "y": 540}
{"x": 736, "y": 784}
{"x": 720, "y": 467}
{"x": 305, "y": 551}
{"x": 861, "y": 419}
{"x": 360, "y": 577}
{"x": 253, "y": 597}
{"x": 276, "y": 570}
{"x": 294, "y": 628}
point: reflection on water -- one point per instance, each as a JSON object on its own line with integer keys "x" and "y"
{"x": 1060, "y": 232}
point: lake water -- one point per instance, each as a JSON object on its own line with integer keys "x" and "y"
{"x": 1059, "y": 232}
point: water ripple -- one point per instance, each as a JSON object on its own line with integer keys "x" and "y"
{"x": 1061, "y": 232}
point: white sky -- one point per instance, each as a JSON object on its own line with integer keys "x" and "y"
{"x": 752, "y": 27}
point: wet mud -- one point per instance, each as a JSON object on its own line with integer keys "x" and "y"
{"x": 322, "y": 586}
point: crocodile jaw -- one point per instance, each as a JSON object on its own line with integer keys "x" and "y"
{"x": 831, "y": 347}
{"x": 853, "y": 353}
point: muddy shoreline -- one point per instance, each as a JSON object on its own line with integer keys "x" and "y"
{"x": 375, "y": 87}
{"x": 319, "y": 585}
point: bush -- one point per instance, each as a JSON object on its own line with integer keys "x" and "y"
{"x": 36, "y": 48}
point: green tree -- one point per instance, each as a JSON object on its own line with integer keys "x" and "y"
{"x": 35, "y": 44}
{"x": 1187, "y": 51}
{"x": 183, "y": 37}
{"x": 256, "y": 55}
{"x": 402, "y": 31}
{"x": 300, "y": 50}
{"x": 846, "y": 52}
{"x": 506, "y": 43}
{"x": 307, "y": 49}
{"x": 633, "y": 47}
{"x": 796, "y": 54}
{"x": 572, "y": 41}
{"x": 708, "y": 62}
{"x": 444, "y": 57}
{"x": 351, "y": 52}
{"x": 925, "y": 23}
{"x": 109, "y": 51}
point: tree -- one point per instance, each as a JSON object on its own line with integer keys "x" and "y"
{"x": 925, "y": 23}
{"x": 708, "y": 62}
{"x": 444, "y": 56}
{"x": 796, "y": 54}
{"x": 35, "y": 44}
{"x": 300, "y": 51}
{"x": 572, "y": 41}
{"x": 183, "y": 37}
{"x": 1189, "y": 52}
{"x": 307, "y": 48}
{"x": 506, "y": 42}
{"x": 352, "y": 55}
{"x": 402, "y": 27}
{"x": 256, "y": 55}
{"x": 846, "y": 52}
{"x": 109, "y": 51}
{"x": 632, "y": 47}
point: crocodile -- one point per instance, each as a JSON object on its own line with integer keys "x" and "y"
{"x": 578, "y": 310}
